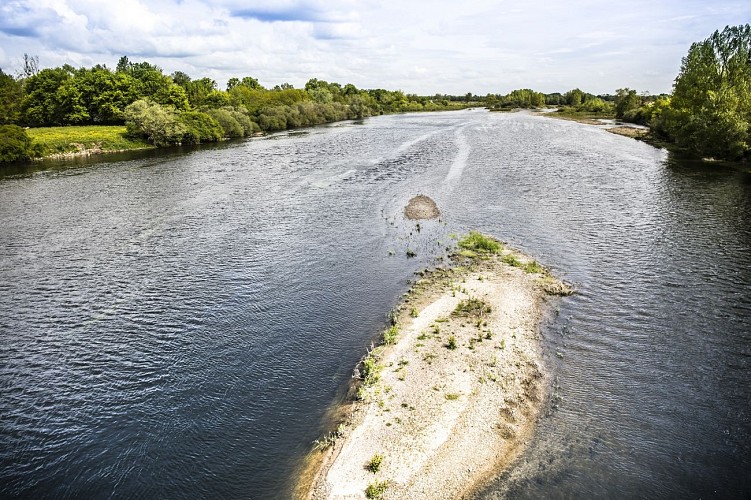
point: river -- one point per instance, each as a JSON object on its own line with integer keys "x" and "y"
{"x": 175, "y": 324}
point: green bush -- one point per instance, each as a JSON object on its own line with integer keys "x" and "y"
{"x": 230, "y": 126}
{"x": 248, "y": 125}
{"x": 199, "y": 127}
{"x": 157, "y": 124}
{"x": 273, "y": 118}
{"x": 15, "y": 144}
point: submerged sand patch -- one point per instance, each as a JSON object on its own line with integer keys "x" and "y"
{"x": 457, "y": 394}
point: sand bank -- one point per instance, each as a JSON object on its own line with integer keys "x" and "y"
{"x": 452, "y": 400}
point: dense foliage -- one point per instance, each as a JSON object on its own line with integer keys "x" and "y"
{"x": 574, "y": 100}
{"x": 175, "y": 109}
{"x": 710, "y": 111}
{"x": 15, "y": 144}
{"x": 189, "y": 110}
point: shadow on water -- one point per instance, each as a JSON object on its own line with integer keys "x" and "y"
{"x": 26, "y": 169}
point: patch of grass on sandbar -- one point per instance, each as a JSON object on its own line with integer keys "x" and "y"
{"x": 479, "y": 243}
{"x": 71, "y": 139}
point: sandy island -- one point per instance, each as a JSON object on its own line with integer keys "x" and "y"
{"x": 451, "y": 397}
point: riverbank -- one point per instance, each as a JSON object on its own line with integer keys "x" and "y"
{"x": 451, "y": 397}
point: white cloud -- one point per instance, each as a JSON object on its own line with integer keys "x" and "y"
{"x": 423, "y": 47}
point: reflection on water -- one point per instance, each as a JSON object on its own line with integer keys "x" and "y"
{"x": 176, "y": 323}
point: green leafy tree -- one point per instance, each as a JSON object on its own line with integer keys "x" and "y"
{"x": 42, "y": 105}
{"x": 251, "y": 83}
{"x": 232, "y": 83}
{"x": 321, "y": 95}
{"x": 216, "y": 99}
{"x": 554, "y": 99}
{"x": 180, "y": 78}
{"x": 11, "y": 93}
{"x": 173, "y": 95}
{"x": 234, "y": 121}
{"x": 659, "y": 115}
{"x": 626, "y": 100}
{"x": 574, "y": 97}
{"x": 151, "y": 82}
{"x": 199, "y": 90}
{"x": 103, "y": 95}
{"x": 596, "y": 105}
{"x": 710, "y": 112}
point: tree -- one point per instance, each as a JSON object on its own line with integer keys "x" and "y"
{"x": 42, "y": 105}
{"x": 625, "y": 101}
{"x": 151, "y": 80}
{"x": 199, "y": 127}
{"x": 30, "y": 66}
{"x": 251, "y": 83}
{"x": 174, "y": 95}
{"x": 710, "y": 111}
{"x": 574, "y": 97}
{"x": 103, "y": 95}
{"x": 199, "y": 90}
{"x": 123, "y": 65}
{"x": 180, "y": 78}
{"x": 11, "y": 93}
{"x": 232, "y": 83}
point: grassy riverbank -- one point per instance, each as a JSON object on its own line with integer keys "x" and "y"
{"x": 451, "y": 395}
{"x": 83, "y": 140}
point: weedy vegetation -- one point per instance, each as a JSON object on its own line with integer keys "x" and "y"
{"x": 376, "y": 489}
{"x": 374, "y": 464}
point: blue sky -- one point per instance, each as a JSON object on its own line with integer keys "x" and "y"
{"x": 420, "y": 47}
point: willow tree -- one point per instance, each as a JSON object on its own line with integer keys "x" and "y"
{"x": 711, "y": 104}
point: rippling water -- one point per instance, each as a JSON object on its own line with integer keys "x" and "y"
{"x": 175, "y": 324}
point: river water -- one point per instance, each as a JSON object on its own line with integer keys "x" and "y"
{"x": 175, "y": 324}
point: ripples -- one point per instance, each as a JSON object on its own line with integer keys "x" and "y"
{"x": 177, "y": 326}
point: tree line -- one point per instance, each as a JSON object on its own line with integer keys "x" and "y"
{"x": 708, "y": 112}
{"x": 176, "y": 109}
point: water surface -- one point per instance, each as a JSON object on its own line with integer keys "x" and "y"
{"x": 175, "y": 324}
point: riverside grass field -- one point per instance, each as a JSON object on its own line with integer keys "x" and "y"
{"x": 73, "y": 139}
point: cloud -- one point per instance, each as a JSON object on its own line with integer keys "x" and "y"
{"x": 277, "y": 14}
{"x": 18, "y": 19}
{"x": 423, "y": 47}
{"x": 337, "y": 31}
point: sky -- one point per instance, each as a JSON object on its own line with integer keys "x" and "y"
{"x": 422, "y": 47}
